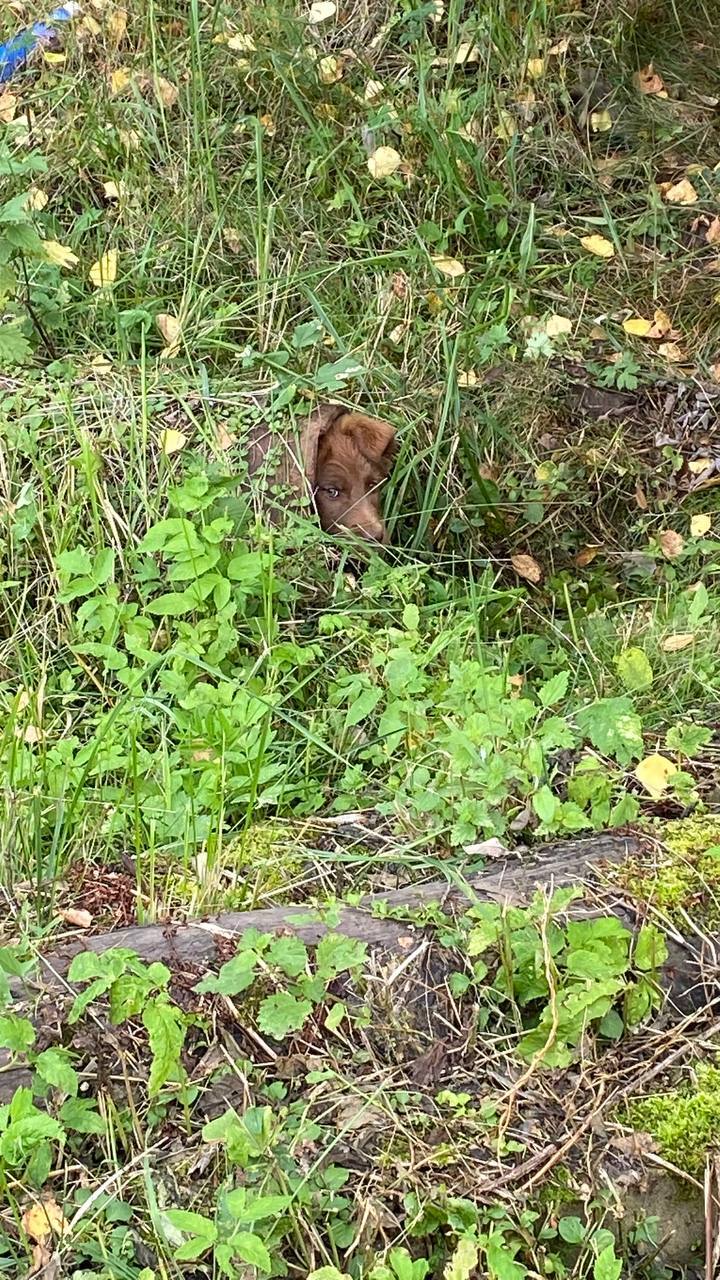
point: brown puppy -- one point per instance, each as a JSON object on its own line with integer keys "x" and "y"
{"x": 341, "y": 462}
{"x": 347, "y": 456}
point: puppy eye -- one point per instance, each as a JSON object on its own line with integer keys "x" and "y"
{"x": 331, "y": 491}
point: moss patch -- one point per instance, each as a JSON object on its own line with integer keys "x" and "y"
{"x": 684, "y": 1122}
{"x": 686, "y": 871}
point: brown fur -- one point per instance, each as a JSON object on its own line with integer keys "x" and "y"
{"x": 343, "y": 459}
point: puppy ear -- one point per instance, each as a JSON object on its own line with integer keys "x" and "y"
{"x": 374, "y": 438}
{"x": 315, "y": 427}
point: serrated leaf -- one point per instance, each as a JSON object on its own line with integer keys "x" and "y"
{"x": 337, "y": 954}
{"x": 252, "y": 1250}
{"x": 15, "y": 348}
{"x": 82, "y": 1116}
{"x": 554, "y": 689}
{"x": 289, "y": 954}
{"x": 16, "y": 1034}
{"x": 236, "y": 975}
{"x": 654, "y": 774}
{"x": 54, "y": 1067}
{"x": 545, "y": 805}
{"x": 613, "y": 727}
{"x": 44, "y": 1219}
{"x": 166, "y": 1033}
{"x": 282, "y": 1013}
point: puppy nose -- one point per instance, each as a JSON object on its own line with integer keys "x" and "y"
{"x": 375, "y": 531}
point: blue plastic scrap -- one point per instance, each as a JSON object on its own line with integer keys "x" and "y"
{"x": 15, "y": 52}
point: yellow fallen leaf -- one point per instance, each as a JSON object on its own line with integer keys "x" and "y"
{"x": 111, "y": 190}
{"x": 535, "y": 67}
{"x": 467, "y": 378}
{"x": 372, "y": 90}
{"x": 172, "y": 441}
{"x": 171, "y": 330}
{"x": 648, "y": 81}
{"x": 700, "y": 525}
{"x": 241, "y": 43}
{"x": 321, "y": 10}
{"x": 600, "y": 121}
{"x": 54, "y": 59}
{"x": 696, "y": 466}
{"x": 466, "y": 52}
{"x": 8, "y": 103}
{"x": 671, "y": 352}
{"x": 40, "y": 1221}
{"x": 598, "y": 245}
{"x": 671, "y": 543}
{"x": 103, "y": 273}
{"x": 89, "y": 24}
{"x": 638, "y": 327}
{"x": 165, "y": 92}
{"x": 654, "y": 773}
{"x": 556, "y": 325}
{"x": 448, "y": 266}
{"x": 37, "y": 199}
{"x": 682, "y": 192}
{"x": 330, "y": 69}
{"x": 673, "y": 644}
{"x": 119, "y": 81}
{"x": 383, "y": 162}
{"x": 712, "y": 235}
{"x": 117, "y": 21}
{"x": 268, "y": 124}
{"x": 59, "y": 254}
{"x": 526, "y": 567}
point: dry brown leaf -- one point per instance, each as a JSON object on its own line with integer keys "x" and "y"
{"x": 330, "y": 69}
{"x": 165, "y": 92}
{"x": 46, "y": 1265}
{"x": 117, "y": 25}
{"x": 671, "y": 352}
{"x": 654, "y": 773}
{"x": 526, "y": 567}
{"x": 712, "y": 235}
{"x": 697, "y": 466}
{"x": 268, "y": 124}
{"x": 671, "y": 543}
{"x": 37, "y": 199}
{"x": 8, "y": 103}
{"x": 77, "y": 917}
{"x": 466, "y": 52}
{"x": 372, "y": 90}
{"x": 700, "y": 525}
{"x": 241, "y": 43}
{"x": 383, "y": 162}
{"x": 598, "y": 245}
{"x": 44, "y": 1219}
{"x": 673, "y": 644}
{"x": 648, "y": 81}
{"x": 557, "y": 325}
{"x": 171, "y": 330}
{"x": 231, "y": 237}
{"x": 640, "y": 498}
{"x": 662, "y": 326}
{"x": 682, "y": 192}
{"x": 467, "y": 378}
{"x": 586, "y": 556}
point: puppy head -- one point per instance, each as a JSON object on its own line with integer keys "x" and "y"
{"x": 347, "y": 456}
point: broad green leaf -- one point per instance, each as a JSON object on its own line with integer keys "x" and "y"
{"x": 634, "y": 670}
{"x": 571, "y": 1229}
{"x": 54, "y": 1067}
{"x": 698, "y": 605}
{"x": 82, "y": 1116}
{"x": 252, "y": 1250}
{"x": 236, "y": 975}
{"x": 16, "y": 1034}
{"x": 363, "y": 706}
{"x": 335, "y": 1016}
{"x": 545, "y": 805}
{"x": 607, "y": 1265}
{"x": 613, "y": 727}
{"x": 280, "y": 1014}
{"x": 174, "y": 604}
{"x": 166, "y": 1032}
{"x": 337, "y": 954}
{"x": 554, "y": 689}
{"x": 650, "y": 949}
{"x": 687, "y": 739}
{"x": 411, "y": 622}
{"x": 289, "y": 954}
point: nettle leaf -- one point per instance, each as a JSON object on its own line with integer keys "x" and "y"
{"x": 280, "y": 1014}
{"x": 82, "y": 1116}
{"x": 337, "y": 954}
{"x": 252, "y": 1250}
{"x": 236, "y": 975}
{"x": 289, "y": 954}
{"x": 613, "y": 727}
{"x": 554, "y": 689}
{"x": 165, "y": 1026}
{"x": 15, "y": 348}
{"x": 650, "y": 949}
{"x": 54, "y": 1067}
{"x": 688, "y": 739}
{"x": 16, "y": 1034}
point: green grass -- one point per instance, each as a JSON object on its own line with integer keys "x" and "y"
{"x": 216, "y": 745}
